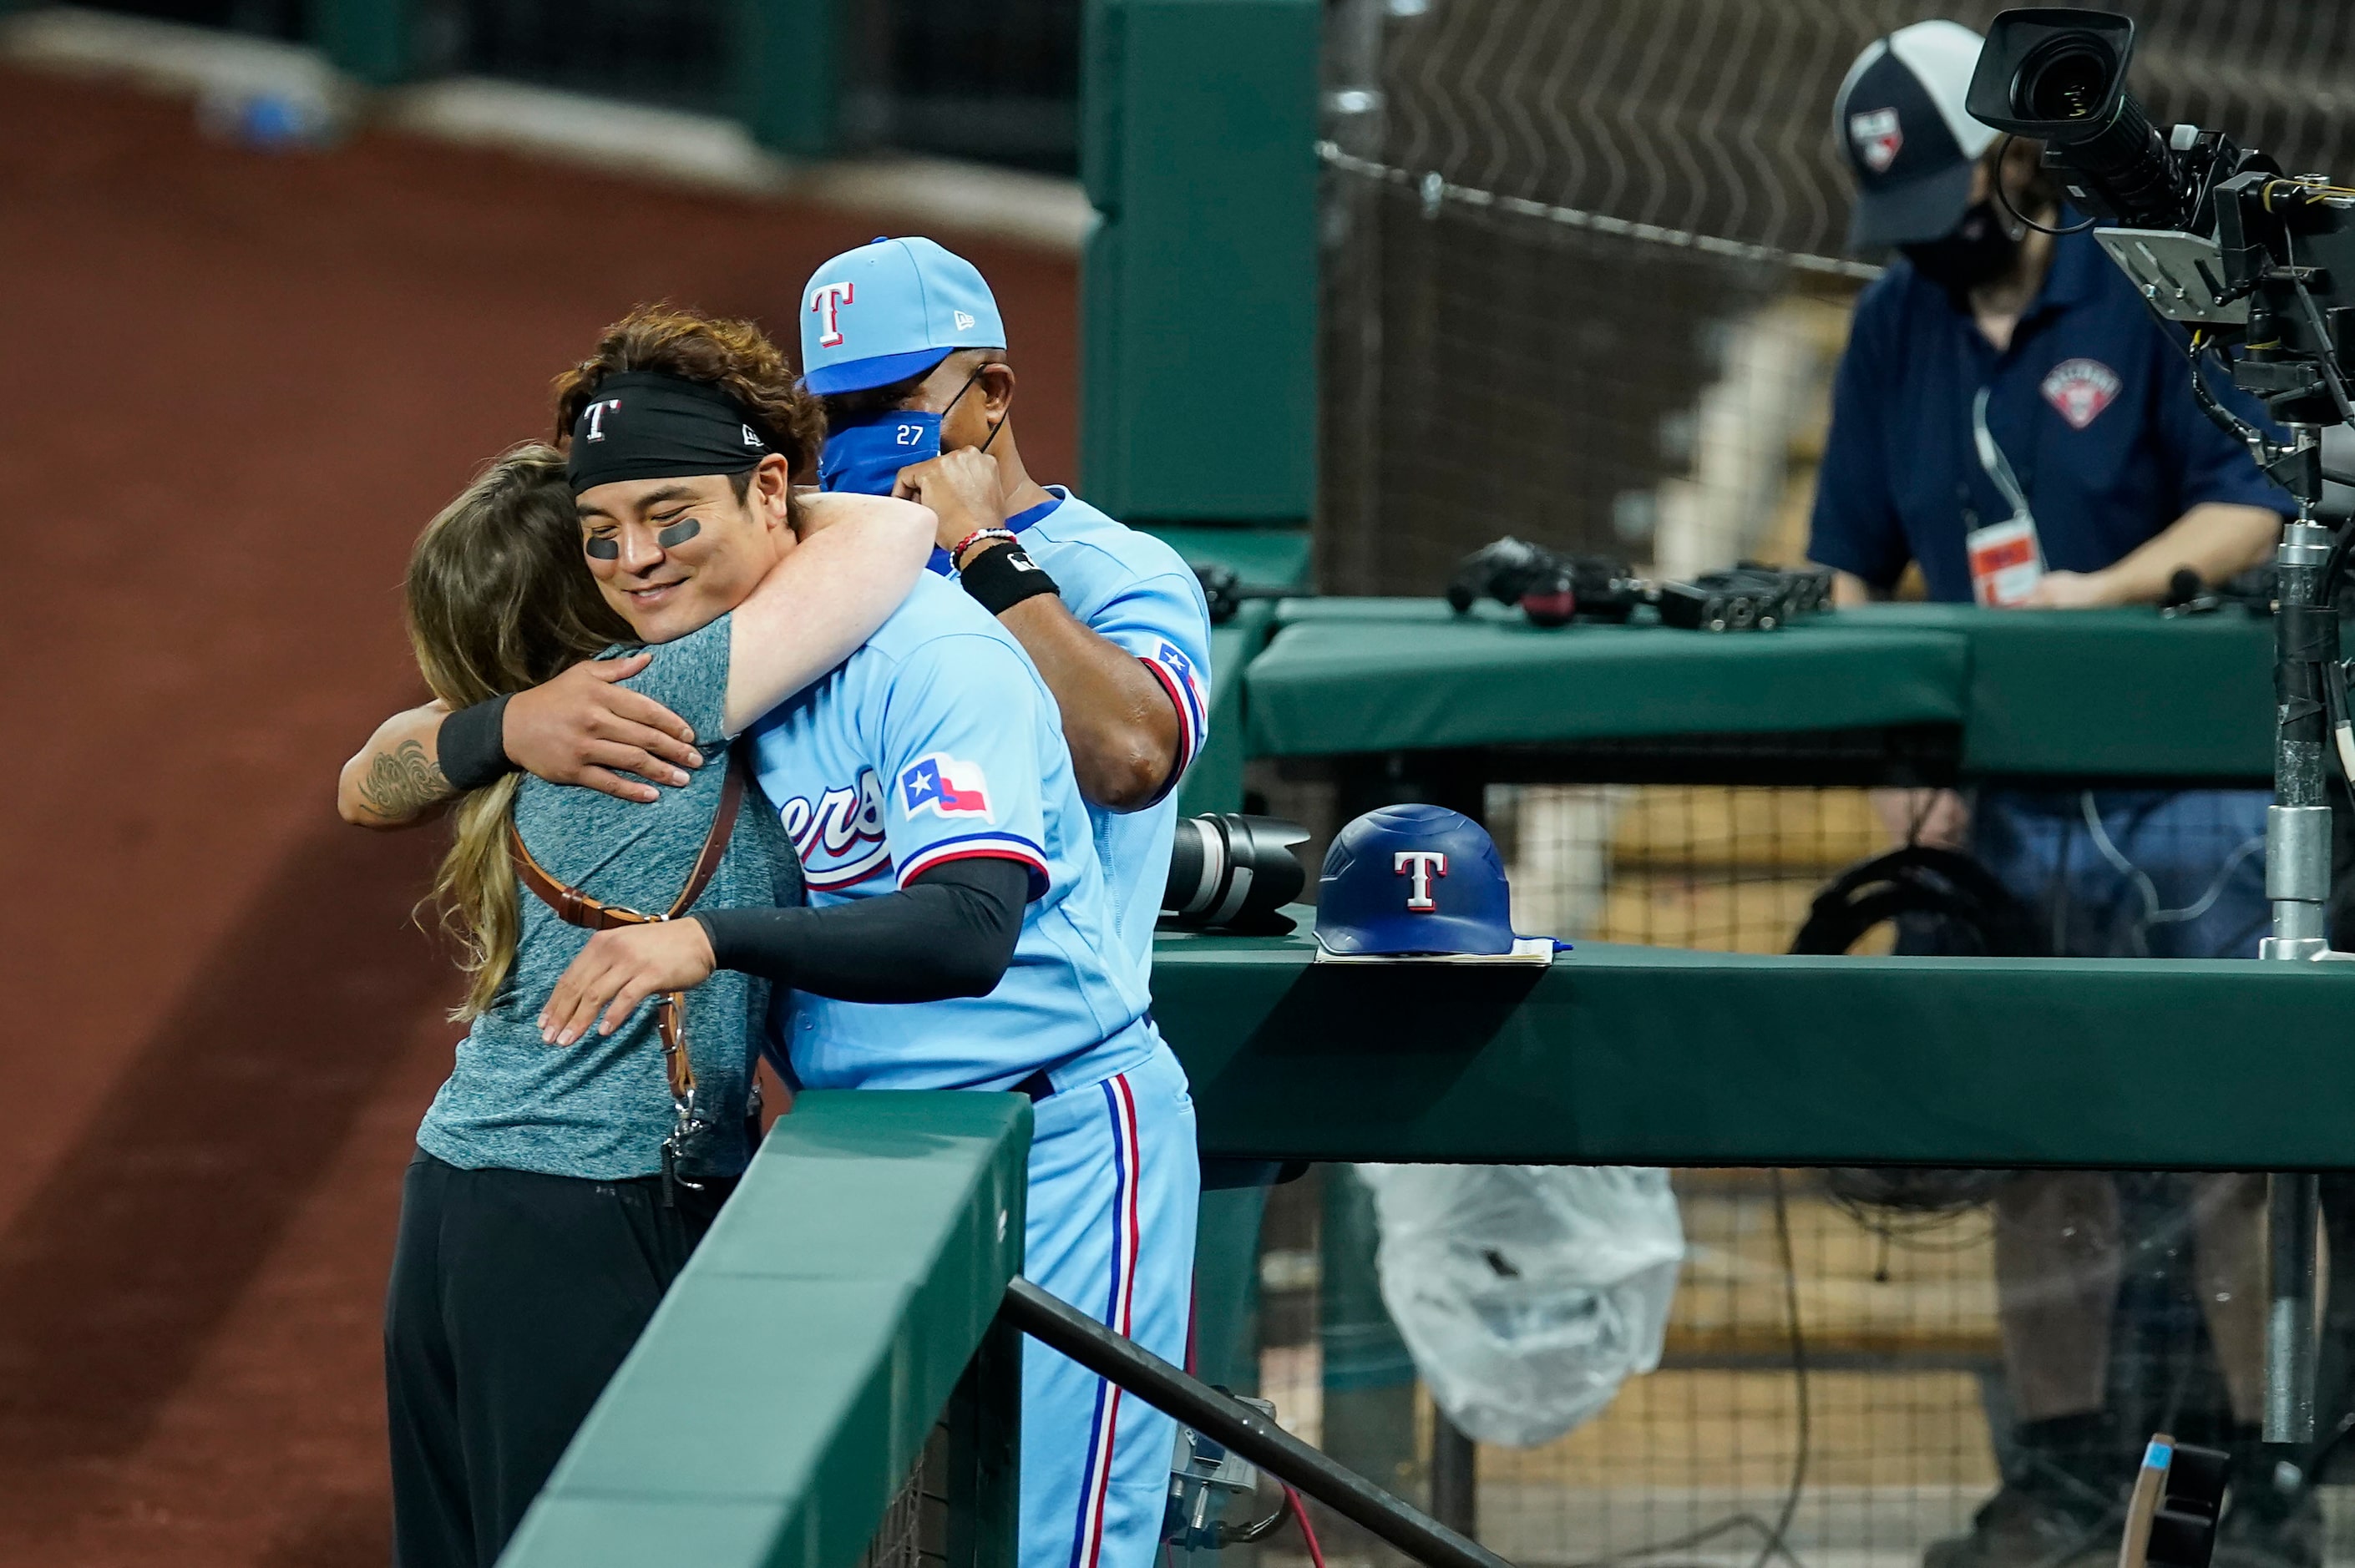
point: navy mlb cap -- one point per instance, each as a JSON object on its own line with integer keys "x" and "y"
{"x": 1901, "y": 126}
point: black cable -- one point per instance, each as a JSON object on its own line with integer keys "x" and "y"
{"x": 1257, "y": 1530}
{"x": 1776, "y": 1534}
{"x": 1995, "y": 178}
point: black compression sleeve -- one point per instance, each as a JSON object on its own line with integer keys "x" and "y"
{"x": 471, "y": 749}
{"x": 951, "y": 932}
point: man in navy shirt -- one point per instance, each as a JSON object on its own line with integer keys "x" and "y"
{"x": 2009, "y": 417}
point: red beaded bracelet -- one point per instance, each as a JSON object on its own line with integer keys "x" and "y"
{"x": 957, "y": 551}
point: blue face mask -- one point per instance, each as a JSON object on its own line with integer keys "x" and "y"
{"x": 867, "y": 459}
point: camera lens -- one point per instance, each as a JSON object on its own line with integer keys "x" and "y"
{"x": 1233, "y": 870}
{"x": 2068, "y": 79}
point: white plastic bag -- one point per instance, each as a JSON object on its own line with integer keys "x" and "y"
{"x": 1527, "y": 1293}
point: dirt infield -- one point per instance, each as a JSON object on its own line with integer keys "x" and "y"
{"x": 235, "y": 385}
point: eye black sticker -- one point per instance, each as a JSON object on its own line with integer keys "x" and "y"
{"x": 679, "y": 532}
{"x": 602, "y": 549}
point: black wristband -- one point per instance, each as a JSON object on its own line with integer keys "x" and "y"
{"x": 471, "y": 748}
{"x": 1001, "y": 579}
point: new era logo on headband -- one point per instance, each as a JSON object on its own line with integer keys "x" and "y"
{"x": 750, "y": 439}
{"x": 596, "y": 413}
{"x": 1878, "y": 136}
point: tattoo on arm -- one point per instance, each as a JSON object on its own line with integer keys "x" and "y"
{"x": 402, "y": 783}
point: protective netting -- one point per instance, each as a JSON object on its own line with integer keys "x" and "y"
{"x": 1834, "y": 1390}
{"x": 914, "y": 1530}
{"x": 1583, "y": 277}
{"x": 995, "y": 80}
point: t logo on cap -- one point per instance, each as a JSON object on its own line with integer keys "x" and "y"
{"x": 1418, "y": 865}
{"x": 827, "y": 300}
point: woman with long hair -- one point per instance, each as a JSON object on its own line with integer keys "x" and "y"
{"x": 557, "y": 1191}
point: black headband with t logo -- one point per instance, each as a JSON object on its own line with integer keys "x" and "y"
{"x": 644, "y": 425}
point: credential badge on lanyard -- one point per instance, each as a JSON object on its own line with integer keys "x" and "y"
{"x": 2006, "y": 558}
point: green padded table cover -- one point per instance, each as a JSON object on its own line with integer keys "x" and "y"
{"x": 2110, "y": 694}
{"x": 2115, "y": 692}
{"x": 1663, "y": 1056}
{"x": 1353, "y": 675}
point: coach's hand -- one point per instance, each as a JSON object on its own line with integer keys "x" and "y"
{"x": 584, "y": 728}
{"x": 963, "y": 489}
{"x": 619, "y": 969}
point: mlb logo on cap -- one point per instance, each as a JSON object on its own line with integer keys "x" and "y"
{"x": 889, "y": 310}
{"x": 1902, "y": 131}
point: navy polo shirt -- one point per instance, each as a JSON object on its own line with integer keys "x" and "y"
{"x": 2091, "y": 403}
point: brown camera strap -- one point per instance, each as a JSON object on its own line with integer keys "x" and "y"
{"x": 575, "y": 907}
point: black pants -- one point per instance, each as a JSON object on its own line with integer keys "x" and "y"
{"x": 514, "y": 1298}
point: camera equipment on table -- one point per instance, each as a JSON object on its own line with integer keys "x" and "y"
{"x": 1549, "y": 588}
{"x": 1235, "y": 872}
{"x": 1553, "y": 589}
{"x": 2258, "y": 267}
{"x": 1748, "y": 599}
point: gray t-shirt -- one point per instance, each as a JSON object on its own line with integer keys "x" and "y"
{"x": 601, "y": 1106}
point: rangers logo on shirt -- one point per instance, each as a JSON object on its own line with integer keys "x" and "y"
{"x": 1877, "y": 136}
{"x": 840, "y": 838}
{"x": 945, "y": 785}
{"x": 2079, "y": 389}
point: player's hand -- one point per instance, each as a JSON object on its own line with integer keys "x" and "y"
{"x": 583, "y": 728}
{"x": 2069, "y": 590}
{"x": 964, "y": 490}
{"x": 619, "y": 969}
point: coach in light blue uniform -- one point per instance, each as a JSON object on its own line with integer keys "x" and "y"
{"x": 904, "y": 342}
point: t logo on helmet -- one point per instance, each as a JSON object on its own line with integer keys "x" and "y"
{"x": 827, "y": 300}
{"x": 1419, "y": 866}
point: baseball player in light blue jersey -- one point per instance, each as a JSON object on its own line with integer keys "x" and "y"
{"x": 959, "y": 935}
{"x": 904, "y": 342}
{"x": 909, "y": 756}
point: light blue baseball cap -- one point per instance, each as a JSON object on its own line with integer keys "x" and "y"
{"x": 890, "y": 310}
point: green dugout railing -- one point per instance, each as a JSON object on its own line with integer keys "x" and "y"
{"x": 842, "y": 1312}
{"x": 1664, "y": 1057}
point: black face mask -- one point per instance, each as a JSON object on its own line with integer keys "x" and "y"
{"x": 1978, "y": 251}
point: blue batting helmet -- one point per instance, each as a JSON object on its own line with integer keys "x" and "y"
{"x": 1413, "y": 879}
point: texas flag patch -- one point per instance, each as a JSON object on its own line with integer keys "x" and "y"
{"x": 945, "y": 785}
{"x": 2079, "y": 389}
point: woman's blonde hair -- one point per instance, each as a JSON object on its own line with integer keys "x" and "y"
{"x": 499, "y": 600}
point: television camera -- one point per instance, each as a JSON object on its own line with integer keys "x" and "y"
{"x": 2257, "y": 266}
